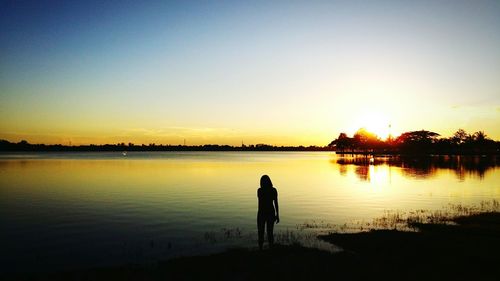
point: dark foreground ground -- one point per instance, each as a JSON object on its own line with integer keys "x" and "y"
{"x": 469, "y": 250}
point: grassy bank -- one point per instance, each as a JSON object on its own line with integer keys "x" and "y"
{"x": 457, "y": 244}
{"x": 466, "y": 250}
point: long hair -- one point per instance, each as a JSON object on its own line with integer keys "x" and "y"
{"x": 265, "y": 182}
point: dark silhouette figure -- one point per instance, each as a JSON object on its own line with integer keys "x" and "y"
{"x": 268, "y": 212}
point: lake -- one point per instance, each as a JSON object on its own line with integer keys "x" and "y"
{"x": 69, "y": 210}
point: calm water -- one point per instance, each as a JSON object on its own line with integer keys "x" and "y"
{"x": 87, "y": 209}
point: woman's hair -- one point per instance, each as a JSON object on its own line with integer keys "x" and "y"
{"x": 265, "y": 182}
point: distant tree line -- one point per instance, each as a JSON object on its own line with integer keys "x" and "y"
{"x": 25, "y": 146}
{"x": 362, "y": 142}
{"x": 416, "y": 142}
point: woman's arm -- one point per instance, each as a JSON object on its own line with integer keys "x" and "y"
{"x": 277, "y": 208}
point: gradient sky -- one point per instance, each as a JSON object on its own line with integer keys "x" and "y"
{"x": 277, "y": 72}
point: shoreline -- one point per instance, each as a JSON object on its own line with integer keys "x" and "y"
{"x": 466, "y": 249}
{"x": 284, "y": 149}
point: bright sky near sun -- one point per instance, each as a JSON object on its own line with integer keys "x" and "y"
{"x": 276, "y": 72}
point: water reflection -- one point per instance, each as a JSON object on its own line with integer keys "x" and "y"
{"x": 418, "y": 167}
{"x": 81, "y": 209}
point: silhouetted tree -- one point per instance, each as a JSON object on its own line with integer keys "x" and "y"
{"x": 459, "y": 137}
{"x": 342, "y": 143}
{"x": 479, "y": 136}
{"x": 365, "y": 140}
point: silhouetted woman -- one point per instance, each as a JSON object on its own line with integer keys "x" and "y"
{"x": 268, "y": 210}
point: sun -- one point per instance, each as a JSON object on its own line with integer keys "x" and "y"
{"x": 378, "y": 125}
{"x": 374, "y": 122}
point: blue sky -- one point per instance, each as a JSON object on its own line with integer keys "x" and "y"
{"x": 279, "y": 72}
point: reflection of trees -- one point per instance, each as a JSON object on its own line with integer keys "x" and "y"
{"x": 424, "y": 167}
{"x": 343, "y": 170}
{"x": 363, "y": 172}
{"x": 420, "y": 168}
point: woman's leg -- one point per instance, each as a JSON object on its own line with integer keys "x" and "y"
{"x": 270, "y": 227}
{"x": 260, "y": 227}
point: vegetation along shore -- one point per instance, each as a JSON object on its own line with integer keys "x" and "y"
{"x": 363, "y": 142}
{"x": 457, "y": 243}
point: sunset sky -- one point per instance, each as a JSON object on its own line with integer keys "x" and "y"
{"x": 277, "y": 72}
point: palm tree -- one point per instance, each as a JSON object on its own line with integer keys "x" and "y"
{"x": 479, "y": 136}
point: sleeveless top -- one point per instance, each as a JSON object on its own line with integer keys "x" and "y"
{"x": 266, "y": 197}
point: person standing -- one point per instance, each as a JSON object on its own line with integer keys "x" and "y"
{"x": 268, "y": 211}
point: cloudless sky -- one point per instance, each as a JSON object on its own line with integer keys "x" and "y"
{"x": 277, "y": 72}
